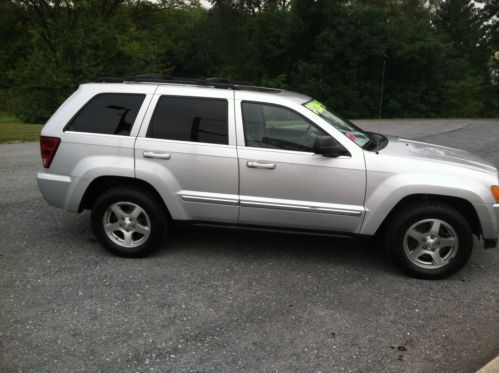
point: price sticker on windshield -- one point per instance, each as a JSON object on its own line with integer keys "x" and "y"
{"x": 316, "y": 106}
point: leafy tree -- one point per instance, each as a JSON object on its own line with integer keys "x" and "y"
{"x": 361, "y": 57}
{"x": 462, "y": 26}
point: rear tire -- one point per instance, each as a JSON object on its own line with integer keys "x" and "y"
{"x": 429, "y": 240}
{"x": 129, "y": 222}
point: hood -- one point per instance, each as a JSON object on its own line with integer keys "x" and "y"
{"x": 420, "y": 150}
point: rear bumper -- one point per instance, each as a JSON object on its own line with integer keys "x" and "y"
{"x": 55, "y": 189}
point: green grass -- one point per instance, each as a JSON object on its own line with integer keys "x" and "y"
{"x": 13, "y": 130}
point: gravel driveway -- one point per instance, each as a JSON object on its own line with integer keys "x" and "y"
{"x": 222, "y": 300}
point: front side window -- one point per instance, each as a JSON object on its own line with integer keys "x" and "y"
{"x": 193, "y": 119}
{"x": 108, "y": 113}
{"x": 277, "y": 127}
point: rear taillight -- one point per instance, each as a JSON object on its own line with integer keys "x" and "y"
{"x": 48, "y": 147}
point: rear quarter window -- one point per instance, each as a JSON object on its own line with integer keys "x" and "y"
{"x": 107, "y": 113}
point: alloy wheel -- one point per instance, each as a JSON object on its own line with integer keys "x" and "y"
{"x": 431, "y": 243}
{"x": 127, "y": 224}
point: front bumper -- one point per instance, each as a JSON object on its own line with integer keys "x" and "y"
{"x": 488, "y": 214}
{"x": 489, "y": 243}
{"x": 490, "y": 240}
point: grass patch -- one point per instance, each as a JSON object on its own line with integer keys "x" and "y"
{"x": 13, "y": 130}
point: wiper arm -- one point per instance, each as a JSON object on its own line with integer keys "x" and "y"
{"x": 372, "y": 141}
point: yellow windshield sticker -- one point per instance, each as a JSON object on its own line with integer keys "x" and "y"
{"x": 316, "y": 107}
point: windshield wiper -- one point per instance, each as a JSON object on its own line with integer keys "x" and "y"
{"x": 379, "y": 141}
{"x": 372, "y": 144}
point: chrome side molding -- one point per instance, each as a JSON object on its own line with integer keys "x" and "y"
{"x": 268, "y": 203}
{"x": 300, "y": 208}
{"x": 216, "y": 198}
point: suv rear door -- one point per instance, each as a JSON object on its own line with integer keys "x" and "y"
{"x": 282, "y": 182}
{"x": 188, "y": 152}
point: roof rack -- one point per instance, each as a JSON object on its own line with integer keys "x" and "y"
{"x": 207, "y": 82}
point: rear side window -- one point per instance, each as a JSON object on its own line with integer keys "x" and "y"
{"x": 108, "y": 113}
{"x": 190, "y": 119}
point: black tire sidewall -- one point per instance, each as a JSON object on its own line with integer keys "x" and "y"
{"x": 155, "y": 212}
{"x": 394, "y": 239}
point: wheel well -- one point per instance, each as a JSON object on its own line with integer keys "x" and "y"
{"x": 460, "y": 204}
{"x": 103, "y": 183}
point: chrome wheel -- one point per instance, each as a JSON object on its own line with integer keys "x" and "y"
{"x": 431, "y": 243}
{"x": 127, "y": 224}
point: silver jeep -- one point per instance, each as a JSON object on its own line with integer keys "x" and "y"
{"x": 144, "y": 153}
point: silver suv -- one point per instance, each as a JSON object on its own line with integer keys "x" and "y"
{"x": 145, "y": 152}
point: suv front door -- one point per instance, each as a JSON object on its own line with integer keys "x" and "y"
{"x": 282, "y": 182}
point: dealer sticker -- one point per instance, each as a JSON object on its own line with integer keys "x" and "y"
{"x": 316, "y": 107}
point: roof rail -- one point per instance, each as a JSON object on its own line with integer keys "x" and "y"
{"x": 208, "y": 82}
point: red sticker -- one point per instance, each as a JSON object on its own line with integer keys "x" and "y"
{"x": 351, "y": 136}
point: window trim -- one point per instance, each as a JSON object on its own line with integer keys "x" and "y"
{"x": 154, "y": 113}
{"x": 89, "y": 101}
{"x": 184, "y": 142}
{"x": 279, "y": 106}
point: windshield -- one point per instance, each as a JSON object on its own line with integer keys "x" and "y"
{"x": 349, "y": 129}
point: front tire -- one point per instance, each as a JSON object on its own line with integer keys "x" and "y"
{"x": 129, "y": 221}
{"x": 429, "y": 240}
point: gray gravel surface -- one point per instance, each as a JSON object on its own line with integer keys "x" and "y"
{"x": 221, "y": 300}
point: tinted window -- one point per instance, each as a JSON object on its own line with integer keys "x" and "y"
{"x": 190, "y": 119}
{"x": 108, "y": 113}
{"x": 271, "y": 126}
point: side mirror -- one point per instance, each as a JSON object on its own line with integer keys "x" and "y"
{"x": 329, "y": 147}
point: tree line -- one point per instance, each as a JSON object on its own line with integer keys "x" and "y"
{"x": 363, "y": 58}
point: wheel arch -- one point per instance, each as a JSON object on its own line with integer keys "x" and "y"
{"x": 102, "y": 183}
{"x": 462, "y": 205}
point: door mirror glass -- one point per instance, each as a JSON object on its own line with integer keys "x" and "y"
{"x": 329, "y": 147}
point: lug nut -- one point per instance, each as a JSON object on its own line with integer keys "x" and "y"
{"x": 424, "y": 239}
{"x": 424, "y": 247}
{"x": 432, "y": 249}
{"x": 432, "y": 236}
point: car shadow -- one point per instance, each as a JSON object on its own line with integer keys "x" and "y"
{"x": 256, "y": 246}
{"x": 265, "y": 245}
